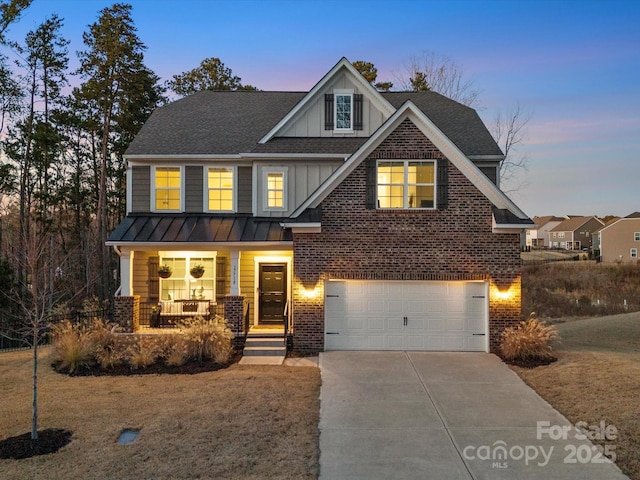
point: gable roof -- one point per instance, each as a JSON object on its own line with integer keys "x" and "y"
{"x": 212, "y": 123}
{"x": 358, "y": 79}
{"x": 542, "y": 221}
{"x": 237, "y": 123}
{"x": 629, "y": 218}
{"x": 459, "y": 122}
{"x": 440, "y": 140}
{"x": 572, "y": 224}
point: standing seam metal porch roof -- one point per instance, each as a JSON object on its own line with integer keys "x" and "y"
{"x": 181, "y": 228}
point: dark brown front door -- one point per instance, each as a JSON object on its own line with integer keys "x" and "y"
{"x": 273, "y": 292}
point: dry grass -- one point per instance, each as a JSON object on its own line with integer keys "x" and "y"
{"x": 555, "y": 290}
{"x": 597, "y": 378}
{"x": 243, "y": 422}
{"x": 529, "y": 341}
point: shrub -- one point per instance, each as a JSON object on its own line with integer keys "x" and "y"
{"x": 174, "y": 350}
{"x": 207, "y": 339}
{"x": 72, "y": 346}
{"x": 529, "y": 342}
{"x": 144, "y": 352}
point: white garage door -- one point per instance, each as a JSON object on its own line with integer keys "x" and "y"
{"x": 405, "y": 315}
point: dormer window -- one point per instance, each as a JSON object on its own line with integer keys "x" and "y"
{"x": 343, "y": 110}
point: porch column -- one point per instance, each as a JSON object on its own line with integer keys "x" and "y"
{"x": 234, "y": 314}
{"x": 234, "y": 289}
{"x": 127, "y": 312}
{"x": 126, "y": 272}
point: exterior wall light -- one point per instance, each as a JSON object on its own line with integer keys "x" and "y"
{"x": 310, "y": 292}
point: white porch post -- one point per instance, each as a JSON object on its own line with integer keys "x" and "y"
{"x": 235, "y": 273}
{"x": 126, "y": 273}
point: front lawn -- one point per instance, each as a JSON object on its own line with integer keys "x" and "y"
{"x": 597, "y": 378}
{"x": 244, "y": 422}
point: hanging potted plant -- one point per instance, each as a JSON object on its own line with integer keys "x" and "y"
{"x": 164, "y": 271}
{"x": 197, "y": 271}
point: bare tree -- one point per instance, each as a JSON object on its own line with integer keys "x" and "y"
{"x": 33, "y": 310}
{"x": 440, "y": 74}
{"x": 509, "y": 132}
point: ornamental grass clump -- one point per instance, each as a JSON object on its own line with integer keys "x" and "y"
{"x": 108, "y": 350}
{"x": 529, "y": 343}
{"x": 72, "y": 346}
{"x": 174, "y": 350}
{"x": 207, "y": 339}
{"x": 144, "y": 352}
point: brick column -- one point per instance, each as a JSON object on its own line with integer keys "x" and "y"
{"x": 233, "y": 313}
{"x": 127, "y": 312}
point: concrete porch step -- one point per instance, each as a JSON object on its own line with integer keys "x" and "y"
{"x": 264, "y": 342}
{"x": 264, "y": 351}
{"x": 264, "y": 347}
{"x": 263, "y": 360}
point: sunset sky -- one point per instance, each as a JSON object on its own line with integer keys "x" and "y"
{"x": 574, "y": 65}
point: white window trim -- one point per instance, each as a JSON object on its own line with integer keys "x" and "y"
{"x": 188, "y": 255}
{"x": 285, "y": 200}
{"x": 633, "y": 253}
{"x": 636, "y": 236}
{"x": 336, "y": 94}
{"x": 205, "y": 193}
{"x": 406, "y": 184}
{"x": 153, "y": 189}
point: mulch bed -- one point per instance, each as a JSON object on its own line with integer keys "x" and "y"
{"x": 531, "y": 362}
{"x": 49, "y": 441}
{"x": 190, "y": 368}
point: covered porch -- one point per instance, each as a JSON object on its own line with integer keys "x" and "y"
{"x": 242, "y": 271}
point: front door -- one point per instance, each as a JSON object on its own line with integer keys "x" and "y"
{"x": 272, "y": 292}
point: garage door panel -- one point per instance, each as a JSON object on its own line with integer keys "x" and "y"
{"x": 394, "y": 324}
{"x": 395, "y": 342}
{"x": 415, "y": 307}
{"x": 370, "y": 315}
{"x": 435, "y": 325}
{"x": 355, "y": 323}
{"x": 395, "y": 307}
{"x": 375, "y": 342}
{"x": 376, "y": 323}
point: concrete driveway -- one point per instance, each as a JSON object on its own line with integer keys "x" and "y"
{"x": 420, "y": 415}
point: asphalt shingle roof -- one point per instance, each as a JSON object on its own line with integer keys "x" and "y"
{"x": 227, "y": 123}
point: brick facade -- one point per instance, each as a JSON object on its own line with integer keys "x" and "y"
{"x": 454, "y": 243}
{"x": 127, "y": 312}
{"x": 233, "y": 313}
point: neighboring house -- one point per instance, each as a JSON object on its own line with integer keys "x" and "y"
{"x": 620, "y": 240}
{"x": 574, "y": 233}
{"x": 538, "y": 236}
{"x": 360, "y": 219}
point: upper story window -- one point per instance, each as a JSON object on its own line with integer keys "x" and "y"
{"x": 275, "y": 187}
{"x": 636, "y": 236}
{"x": 168, "y": 189}
{"x": 343, "y": 111}
{"x": 406, "y": 184}
{"x": 220, "y": 189}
